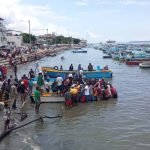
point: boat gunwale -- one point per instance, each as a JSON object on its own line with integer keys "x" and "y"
{"x": 66, "y": 71}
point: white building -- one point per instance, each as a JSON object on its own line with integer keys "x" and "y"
{"x": 3, "y": 40}
{"x": 14, "y": 40}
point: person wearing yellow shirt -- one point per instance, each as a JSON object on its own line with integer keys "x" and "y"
{"x": 74, "y": 93}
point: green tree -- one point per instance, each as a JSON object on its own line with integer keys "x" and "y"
{"x": 26, "y": 38}
{"x": 76, "y": 41}
{"x": 64, "y": 40}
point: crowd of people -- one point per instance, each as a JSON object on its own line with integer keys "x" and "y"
{"x": 74, "y": 88}
{"x": 77, "y": 90}
{"x": 13, "y": 90}
{"x": 14, "y": 52}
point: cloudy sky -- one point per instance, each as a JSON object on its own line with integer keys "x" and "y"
{"x": 95, "y": 20}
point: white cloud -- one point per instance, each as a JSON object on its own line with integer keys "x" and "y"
{"x": 83, "y": 13}
{"x": 108, "y": 11}
{"x": 136, "y": 2}
{"x": 104, "y": 1}
{"x": 36, "y": 10}
{"x": 18, "y": 15}
{"x": 125, "y": 2}
{"x": 81, "y": 3}
{"x": 62, "y": 31}
{"x": 91, "y": 34}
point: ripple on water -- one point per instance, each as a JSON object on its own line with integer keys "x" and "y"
{"x": 109, "y": 125}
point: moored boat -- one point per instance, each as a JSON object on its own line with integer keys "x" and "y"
{"x": 145, "y": 64}
{"x": 52, "y": 55}
{"x": 134, "y": 62}
{"x": 62, "y": 57}
{"x": 54, "y": 72}
{"x": 79, "y": 51}
{"x": 107, "y": 56}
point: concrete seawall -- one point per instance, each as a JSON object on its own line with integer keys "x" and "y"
{"x": 40, "y": 53}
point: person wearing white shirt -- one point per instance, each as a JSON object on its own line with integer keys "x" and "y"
{"x": 59, "y": 81}
{"x": 87, "y": 92}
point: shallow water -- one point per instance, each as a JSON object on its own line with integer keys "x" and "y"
{"x": 110, "y": 125}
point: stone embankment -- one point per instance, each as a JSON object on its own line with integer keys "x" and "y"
{"x": 40, "y": 53}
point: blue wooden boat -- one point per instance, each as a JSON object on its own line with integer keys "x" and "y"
{"x": 54, "y": 72}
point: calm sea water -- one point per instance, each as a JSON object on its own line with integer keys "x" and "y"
{"x": 110, "y": 125}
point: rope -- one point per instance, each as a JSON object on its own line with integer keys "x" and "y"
{"x": 40, "y": 118}
{"x": 15, "y": 128}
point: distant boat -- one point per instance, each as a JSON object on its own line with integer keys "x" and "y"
{"x": 110, "y": 42}
{"x": 145, "y": 64}
{"x": 53, "y": 54}
{"x": 107, "y": 56}
{"x": 77, "y": 48}
{"x": 62, "y": 57}
{"x": 136, "y": 62}
{"x": 79, "y": 51}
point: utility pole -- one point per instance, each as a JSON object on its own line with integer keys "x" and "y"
{"x": 47, "y": 35}
{"x": 29, "y": 33}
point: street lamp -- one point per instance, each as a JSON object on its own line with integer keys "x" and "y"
{"x": 29, "y": 30}
{"x": 46, "y": 35}
{"x": 46, "y": 31}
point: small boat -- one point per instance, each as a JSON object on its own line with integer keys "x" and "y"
{"x": 77, "y": 48}
{"x": 145, "y": 64}
{"x": 52, "y": 55}
{"x": 54, "y": 72}
{"x": 136, "y": 61}
{"x": 107, "y": 56}
{"x": 79, "y": 51}
{"x": 133, "y": 62}
{"x": 62, "y": 58}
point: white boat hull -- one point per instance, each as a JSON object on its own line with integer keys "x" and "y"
{"x": 144, "y": 65}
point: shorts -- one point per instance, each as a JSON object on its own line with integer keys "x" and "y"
{"x": 37, "y": 103}
{"x": 59, "y": 88}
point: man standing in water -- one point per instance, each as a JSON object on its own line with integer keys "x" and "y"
{"x": 36, "y": 68}
{"x": 59, "y": 81}
{"x": 40, "y": 81}
{"x": 14, "y": 94}
{"x": 37, "y": 99}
